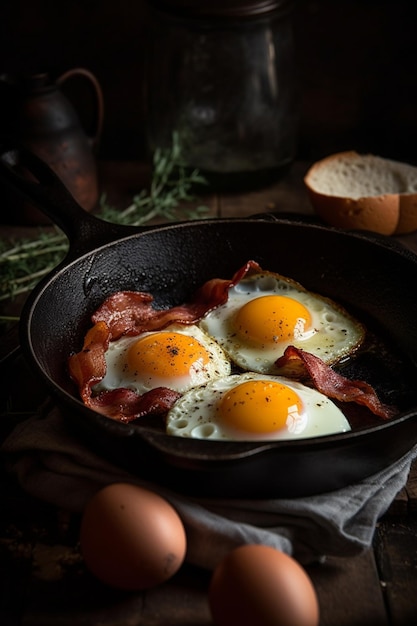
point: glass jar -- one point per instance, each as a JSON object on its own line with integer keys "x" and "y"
{"x": 221, "y": 78}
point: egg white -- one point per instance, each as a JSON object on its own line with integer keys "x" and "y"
{"x": 334, "y": 333}
{"x": 197, "y": 415}
{"x": 119, "y": 374}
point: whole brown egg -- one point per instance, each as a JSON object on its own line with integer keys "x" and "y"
{"x": 259, "y": 585}
{"x": 131, "y": 538}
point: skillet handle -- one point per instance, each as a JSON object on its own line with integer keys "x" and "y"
{"x": 46, "y": 190}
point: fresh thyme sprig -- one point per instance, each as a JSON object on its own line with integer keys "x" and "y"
{"x": 24, "y": 262}
{"x": 171, "y": 191}
{"x": 172, "y": 185}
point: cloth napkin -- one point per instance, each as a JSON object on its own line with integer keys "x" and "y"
{"x": 54, "y": 466}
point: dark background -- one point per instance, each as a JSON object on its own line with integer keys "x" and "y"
{"x": 356, "y": 59}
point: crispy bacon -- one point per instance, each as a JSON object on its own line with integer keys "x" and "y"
{"x": 131, "y": 312}
{"x": 88, "y": 367}
{"x": 124, "y": 405}
{"x": 297, "y": 363}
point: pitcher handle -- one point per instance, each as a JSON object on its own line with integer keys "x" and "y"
{"x": 99, "y": 101}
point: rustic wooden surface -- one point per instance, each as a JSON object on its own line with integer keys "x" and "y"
{"x": 43, "y": 580}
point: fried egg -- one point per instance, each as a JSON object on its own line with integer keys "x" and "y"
{"x": 254, "y": 407}
{"x": 178, "y": 357}
{"x": 265, "y": 313}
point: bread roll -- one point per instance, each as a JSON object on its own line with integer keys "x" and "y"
{"x": 365, "y": 192}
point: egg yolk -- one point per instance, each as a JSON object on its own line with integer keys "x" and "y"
{"x": 167, "y": 354}
{"x": 272, "y": 319}
{"x": 260, "y": 406}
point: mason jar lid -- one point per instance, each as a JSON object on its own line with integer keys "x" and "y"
{"x": 220, "y": 8}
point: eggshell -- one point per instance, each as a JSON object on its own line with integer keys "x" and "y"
{"x": 259, "y": 585}
{"x": 131, "y": 538}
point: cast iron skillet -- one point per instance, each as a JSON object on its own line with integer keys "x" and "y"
{"x": 372, "y": 276}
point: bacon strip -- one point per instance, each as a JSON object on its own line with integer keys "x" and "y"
{"x": 124, "y": 405}
{"x": 88, "y": 367}
{"x": 300, "y": 364}
{"x": 131, "y": 312}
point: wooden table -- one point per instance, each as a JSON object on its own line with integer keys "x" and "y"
{"x": 43, "y": 581}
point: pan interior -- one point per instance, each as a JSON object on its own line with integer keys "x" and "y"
{"x": 372, "y": 280}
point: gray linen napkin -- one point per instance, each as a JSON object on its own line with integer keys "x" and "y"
{"x": 55, "y": 467}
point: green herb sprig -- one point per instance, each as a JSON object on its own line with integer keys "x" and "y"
{"x": 172, "y": 187}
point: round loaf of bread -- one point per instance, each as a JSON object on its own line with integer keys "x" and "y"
{"x": 366, "y": 192}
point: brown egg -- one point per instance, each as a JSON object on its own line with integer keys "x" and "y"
{"x": 131, "y": 538}
{"x": 259, "y": 585}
